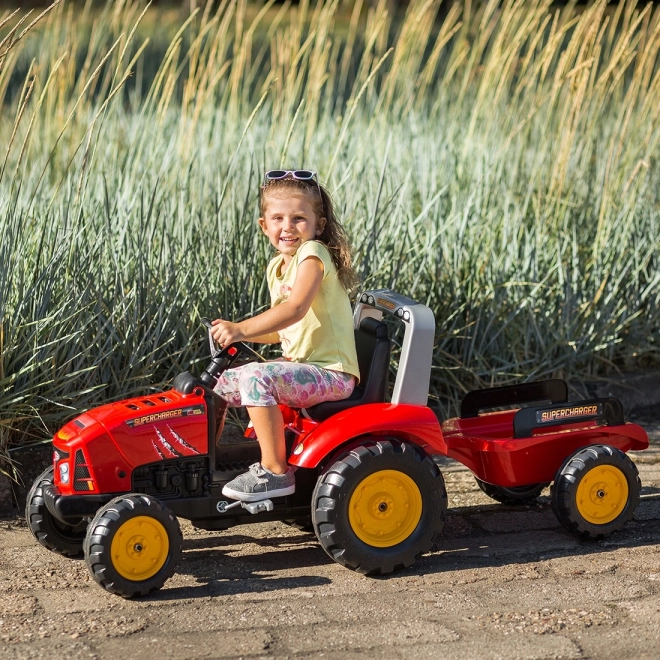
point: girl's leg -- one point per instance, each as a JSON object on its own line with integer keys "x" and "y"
{"x": 269, "y": 427}
{"x": 295, "y": 384}
{"x": 227, "y": 387}
{"x": 266, "y": 419}
{"x": 264, "y": 385}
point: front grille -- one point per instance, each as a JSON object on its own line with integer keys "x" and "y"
{"x": 81, "y": 476}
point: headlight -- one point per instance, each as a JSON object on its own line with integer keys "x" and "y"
{"x": 64, "y": 472}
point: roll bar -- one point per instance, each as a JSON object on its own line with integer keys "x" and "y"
{"x": 414, "y": 374}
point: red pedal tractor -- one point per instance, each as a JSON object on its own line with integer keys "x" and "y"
{"x": 122, "y": 473}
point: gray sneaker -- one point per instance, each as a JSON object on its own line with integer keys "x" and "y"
{"x": 258, "y": 483}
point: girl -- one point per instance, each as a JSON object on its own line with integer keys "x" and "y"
{"x": 310, "y": 315}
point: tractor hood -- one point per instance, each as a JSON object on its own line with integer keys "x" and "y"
{"x": 98, "y": 450}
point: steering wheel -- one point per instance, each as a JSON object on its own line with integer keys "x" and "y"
{"x": 222, "y": 358}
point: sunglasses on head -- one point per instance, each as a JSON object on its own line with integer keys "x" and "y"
{"x": 298, "y": 175}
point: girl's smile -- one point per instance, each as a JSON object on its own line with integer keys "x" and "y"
{"x": 289, "y": 222}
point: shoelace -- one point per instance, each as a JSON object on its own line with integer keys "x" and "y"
{"x": 257, "y": 469}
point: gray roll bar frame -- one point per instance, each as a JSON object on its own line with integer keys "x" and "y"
{"x": 414, "y": 374}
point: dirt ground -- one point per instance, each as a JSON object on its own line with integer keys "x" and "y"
{"x": 505, "y": 582}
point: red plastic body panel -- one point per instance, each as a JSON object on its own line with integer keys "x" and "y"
{"x": 120, "y": 436}
{"x": 417, "y": 424}
{"x": 485, "y": 445}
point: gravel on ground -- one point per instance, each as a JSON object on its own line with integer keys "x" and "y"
{"x": 504, "y": 582}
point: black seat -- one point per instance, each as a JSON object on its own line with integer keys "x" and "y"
{"x": 373, "y": 353}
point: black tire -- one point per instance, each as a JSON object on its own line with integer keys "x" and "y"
{"x": 117, "y": 519}
{"x": 351, "y": 475}
{"x": 596, "y": 492}
{"x": 513, "y": 495}
{"x": 62, "y": 538}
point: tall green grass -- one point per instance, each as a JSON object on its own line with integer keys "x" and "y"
{"x": 498, "y": 163}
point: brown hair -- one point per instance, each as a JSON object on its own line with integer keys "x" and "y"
{"x": 333, "y": 236}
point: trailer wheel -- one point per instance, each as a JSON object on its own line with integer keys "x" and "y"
{"x": 596, "y": 492}
{"x": 133, "y": 545}
{"x": 63, "y": 538}
{"x": 379, "y": 506}
{"x": 513, "y": 495}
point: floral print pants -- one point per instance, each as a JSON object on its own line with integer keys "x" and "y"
{"x": 295, "y": 384}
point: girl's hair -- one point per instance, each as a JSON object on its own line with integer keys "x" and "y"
{"x": 333, "y": 235}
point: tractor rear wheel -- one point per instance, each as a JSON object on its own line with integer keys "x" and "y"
{"x": 379, "y": 506}
{"x": 64, "y": 538}
{"x": 596, "y": 491}
{"x": 512, "y": 495}
{"x": 133, "y": 545}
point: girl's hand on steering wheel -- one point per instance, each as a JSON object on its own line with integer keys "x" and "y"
{"x": 226, "y": 332}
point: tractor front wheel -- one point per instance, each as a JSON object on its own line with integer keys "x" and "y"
{"x": 64, "y": 538}
{"x": 133, "y": 545}
{"x": 379, "y": 506}
{"x": 596, "y": 491}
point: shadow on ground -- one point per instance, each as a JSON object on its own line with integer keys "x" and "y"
{"x": 489, "y": 536}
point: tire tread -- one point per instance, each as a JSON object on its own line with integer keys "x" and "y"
{"x": 330, "y": 490}
{"x": 95, "y": 546}
{"x": 567, "y": 481}
{"x": 42, "y": 525}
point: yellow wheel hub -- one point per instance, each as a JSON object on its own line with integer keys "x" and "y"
{"x": 385, "y": 508}
{"x": 139, "y": 548}
{"x": 602, "y": 494}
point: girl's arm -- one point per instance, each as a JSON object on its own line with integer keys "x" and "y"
{"x": 306, "y": 286}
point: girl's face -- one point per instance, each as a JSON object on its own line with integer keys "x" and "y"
{"x": 289, "y": 221}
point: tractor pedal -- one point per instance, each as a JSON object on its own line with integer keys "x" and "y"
{"x": 258, "y": 507}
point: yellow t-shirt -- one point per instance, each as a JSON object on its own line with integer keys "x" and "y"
{"x": 324, "y": 336}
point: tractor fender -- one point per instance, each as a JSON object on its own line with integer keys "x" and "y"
{"x": 415, "y": 424}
